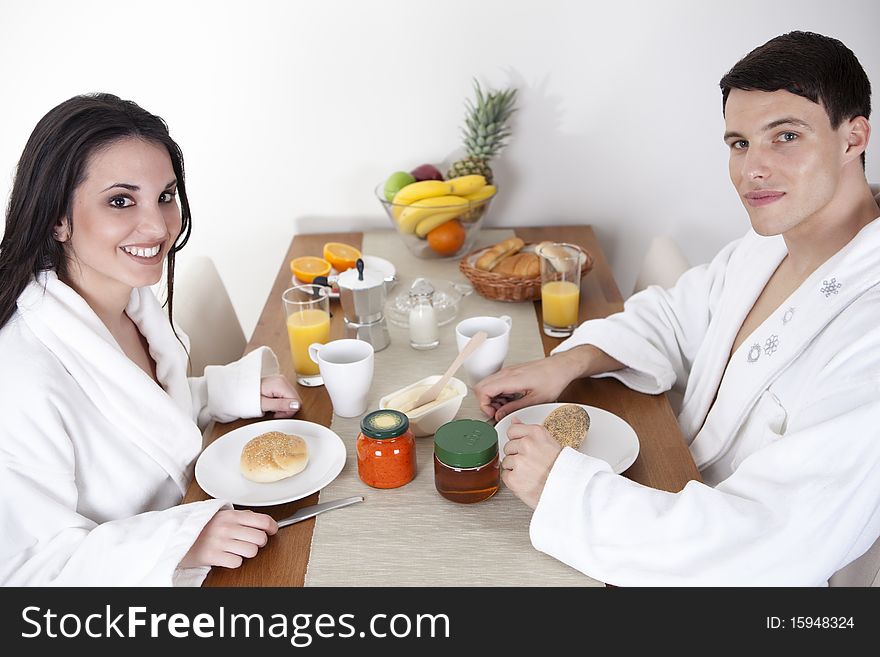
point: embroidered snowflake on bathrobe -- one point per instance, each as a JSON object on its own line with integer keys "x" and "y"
{"x": 830, "y": 287}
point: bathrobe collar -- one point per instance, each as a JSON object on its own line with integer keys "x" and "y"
{"x": 765, "y": 354}
{"x": 155, "y": 419}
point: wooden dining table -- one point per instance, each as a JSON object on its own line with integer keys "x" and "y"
{"x": 664, "y": 461}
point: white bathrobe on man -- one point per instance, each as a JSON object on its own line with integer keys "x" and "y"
{"x": 94, "y": 456}
{"x": 789, "y": 451}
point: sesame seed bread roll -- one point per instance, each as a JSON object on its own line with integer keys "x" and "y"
{"x": 273, "y": 456}
{"x": 568, "y": 424}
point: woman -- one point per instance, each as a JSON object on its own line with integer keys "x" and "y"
{"x": 101, "y": 425}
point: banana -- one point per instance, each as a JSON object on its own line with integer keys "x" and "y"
{"x": 419, "y": 190}
{"x": 427, "y": 225}
{"x": 424, "y": 208}
{"x": 464, "y": 185}
{"x": 415, "y": 192}
{"x": 481, "y": 194}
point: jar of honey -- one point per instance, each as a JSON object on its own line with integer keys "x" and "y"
{"x": 386, "y": 450}
{"x": 466, "y": 464}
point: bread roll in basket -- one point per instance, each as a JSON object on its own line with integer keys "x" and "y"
{"x": 515, "y": 270}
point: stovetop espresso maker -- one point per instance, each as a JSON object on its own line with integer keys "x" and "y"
{"x": 362, "y": 295}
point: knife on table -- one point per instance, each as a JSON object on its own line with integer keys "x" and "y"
{"x": 314, "y": 509}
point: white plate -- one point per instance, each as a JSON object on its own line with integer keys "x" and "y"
{"x": 332, "y": 291}
{"x": 219, "y": 475}
{"x": 609, "y": 438}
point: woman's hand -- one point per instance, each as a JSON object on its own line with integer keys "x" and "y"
{"x": 530, "y": 454}
{"x": 278, "y": 396}
{"x": 229, "y": 538}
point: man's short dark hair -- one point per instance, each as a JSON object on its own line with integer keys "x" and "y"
{"x": 817, "y": 67}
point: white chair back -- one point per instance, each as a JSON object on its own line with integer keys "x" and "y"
{"x": 202, "y": 308}
{"x": 664, "y": 263}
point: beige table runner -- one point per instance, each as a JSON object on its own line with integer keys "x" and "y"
{"x": 411, "y": 536}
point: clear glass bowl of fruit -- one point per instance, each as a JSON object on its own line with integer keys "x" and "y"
{"x": 436, "y": 218}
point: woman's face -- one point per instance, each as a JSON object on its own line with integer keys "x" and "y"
{"x": 125, "y": 219}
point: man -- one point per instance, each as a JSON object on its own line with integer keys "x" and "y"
{"x": 776, "y": 344}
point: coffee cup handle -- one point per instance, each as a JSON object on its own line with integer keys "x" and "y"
{"x": 506, "y": 319}
{"x": 314, "y": 348}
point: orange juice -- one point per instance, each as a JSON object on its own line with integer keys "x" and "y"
{"x": 559, "y": 301}
{"x": 304, "y": 328}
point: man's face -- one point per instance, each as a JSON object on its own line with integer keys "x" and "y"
{"x": 785, "y": 158}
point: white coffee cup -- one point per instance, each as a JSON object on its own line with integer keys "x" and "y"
{"x": 489, "y": 356}
{"x": 347, "y": 369}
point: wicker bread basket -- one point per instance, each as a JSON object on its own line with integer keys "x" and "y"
{"x": 504, "y": 287}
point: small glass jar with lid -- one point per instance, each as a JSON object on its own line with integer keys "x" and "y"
{"x": 466, "y": 463}
{"x": 423, "y": 329}
{"x": 386, "y": 450}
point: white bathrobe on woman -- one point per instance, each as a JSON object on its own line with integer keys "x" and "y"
{"x": 94, "y": 456}
{"x": 789, "y": 451}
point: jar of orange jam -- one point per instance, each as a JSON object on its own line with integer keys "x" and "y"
{"x": 386, "y": 450}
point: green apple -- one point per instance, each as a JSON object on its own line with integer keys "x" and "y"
{"x": 395, "y": 182}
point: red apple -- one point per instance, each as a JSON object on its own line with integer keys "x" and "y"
{"x": 426, "y": 172}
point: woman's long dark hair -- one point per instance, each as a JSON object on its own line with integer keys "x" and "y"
{"x": 52, "y": 166}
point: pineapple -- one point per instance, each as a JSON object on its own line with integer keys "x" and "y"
{"x": 486, "y": 131}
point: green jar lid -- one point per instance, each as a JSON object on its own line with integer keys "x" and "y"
{"x": 384, "y": 423}
{"x": 466, "y": 443}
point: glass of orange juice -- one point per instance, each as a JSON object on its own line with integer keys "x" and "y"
{"x": 560, "y": 287}
{"x": 308, "y": 320}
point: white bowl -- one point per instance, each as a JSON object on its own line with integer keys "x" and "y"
{"x": 427, "y": 422}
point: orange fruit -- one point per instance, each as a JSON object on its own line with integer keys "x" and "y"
{"x": 447, "y": 238}
{"x": 305, "y": 268}
{"x": 342, "y": 256}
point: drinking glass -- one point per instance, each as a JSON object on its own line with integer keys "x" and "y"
{"x": 560, "y": 288}
{"x": 307, "y": 308}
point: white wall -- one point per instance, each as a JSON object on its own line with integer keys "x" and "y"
{"x": 289, "y": 113}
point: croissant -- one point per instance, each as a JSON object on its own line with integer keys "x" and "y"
{"x": 498, "y": 252}
{"x": 526, "y": 265}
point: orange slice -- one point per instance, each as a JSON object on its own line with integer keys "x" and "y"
{"x": 305, "y": 268}
{"x": 342, "y": 256}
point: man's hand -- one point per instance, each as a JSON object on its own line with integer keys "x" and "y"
{"x": 524, "y": 385}
{"x": 278, "y": 396}
{"x": 530, "y": 455}
{"x": 540, "y": 381}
